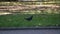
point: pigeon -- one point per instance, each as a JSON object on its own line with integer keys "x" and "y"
{"x": 29, "y": 18}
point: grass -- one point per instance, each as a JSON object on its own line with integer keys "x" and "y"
{"x": 17, "y": 20}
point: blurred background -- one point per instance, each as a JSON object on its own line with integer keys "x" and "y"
{"x": 44, "y": 12}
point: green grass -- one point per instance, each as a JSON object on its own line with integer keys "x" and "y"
{"x": 17, "y": 20}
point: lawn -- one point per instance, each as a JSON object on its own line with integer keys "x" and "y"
{"x": 18, "y": 20}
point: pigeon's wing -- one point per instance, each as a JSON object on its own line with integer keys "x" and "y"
{"x": 29, "y": 18}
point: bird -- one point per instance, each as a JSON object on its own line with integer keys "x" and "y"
{"x": 29, "y": 18}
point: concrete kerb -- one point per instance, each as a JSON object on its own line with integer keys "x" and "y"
{"x": 28, "y": 28}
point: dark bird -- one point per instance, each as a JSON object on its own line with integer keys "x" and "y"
{"x": 29, "y": 18}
